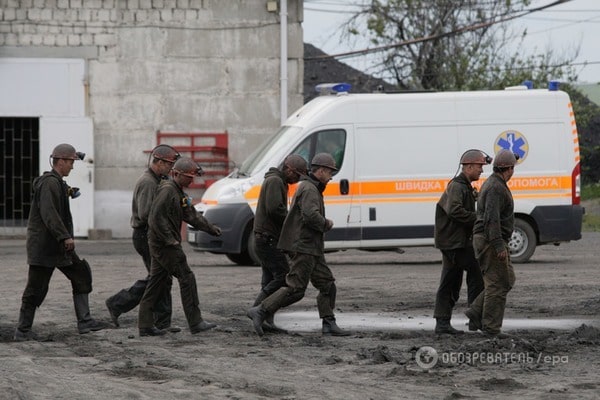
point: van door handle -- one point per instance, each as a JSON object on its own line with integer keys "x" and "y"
{"x": 344, "y": 186}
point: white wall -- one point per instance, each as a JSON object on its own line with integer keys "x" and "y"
{"x": 185, "y": 65}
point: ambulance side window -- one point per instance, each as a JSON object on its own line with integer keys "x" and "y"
{"x": 329, "y": 141}
{"x": 303, "y": 149}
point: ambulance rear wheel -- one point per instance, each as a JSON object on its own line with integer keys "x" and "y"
{"x": 522, "y": 242}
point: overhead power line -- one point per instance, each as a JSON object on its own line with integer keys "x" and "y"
{"x": 468, "y": 28}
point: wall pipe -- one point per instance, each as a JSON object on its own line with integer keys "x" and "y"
{"x": 283, "y": 84}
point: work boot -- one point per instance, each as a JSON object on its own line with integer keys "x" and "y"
{"x": 23, "y": 331}
{"x": 201, "y": 327}
{"x": 443, "y": 326}
{"x": 261, "y": 296}
{"x": 499, "y": 335}
{"x": 85, "y": 323}
{"x": 269, "y": 325}
{"x": 474, "y": 321}
{"x": 152, "y": 332}
{"x": 171, "y": 328}
{"x": 20, "y": 336}
{"x": 114, "y": 314}
{"x": 330, "y": 328}
{"x": 258, "y": 315}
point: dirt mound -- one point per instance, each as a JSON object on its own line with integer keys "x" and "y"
{"x": 586, "y": 333}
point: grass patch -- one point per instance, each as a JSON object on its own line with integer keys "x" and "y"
{"x": 591, "y": 223}
{"x": 589, "y": 192}
{"x": 590, "y": 197}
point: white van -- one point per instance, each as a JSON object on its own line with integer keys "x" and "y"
{"x": 396, "y": 154}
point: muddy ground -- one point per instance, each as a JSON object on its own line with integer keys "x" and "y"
{"x": 556, "y": 361}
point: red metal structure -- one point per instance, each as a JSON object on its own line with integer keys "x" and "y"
{"x": 210, "y": 149}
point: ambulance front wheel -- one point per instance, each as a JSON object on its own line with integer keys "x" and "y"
{"x": 248, "y": 256}
{"x": 523, "y": 242}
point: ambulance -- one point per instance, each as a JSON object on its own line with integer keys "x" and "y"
{"x": 397, "y": 152}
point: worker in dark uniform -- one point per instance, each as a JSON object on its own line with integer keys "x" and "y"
{"x": 161, "y": 161}
{"x": 491, "y": 233}
{"x": 302, "y": 237}
{"x": 454, "y": 219}
{"x": 50, "y": 245}
{"x": 271, "y": 211}
{"x": 170, "y": 208}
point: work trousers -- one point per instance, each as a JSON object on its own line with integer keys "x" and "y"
{"x": 305, "y": 268}
{"x": 38, "y": 281}
{"x": 498, "y": 279}
{"x": 454, "y": 262}
{"x": 273, "y": 262}
{"x": 127, "y": 299}
{"x": 168, "y": 262}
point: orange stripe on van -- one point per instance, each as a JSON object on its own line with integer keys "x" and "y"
{"x": 413, "y": 190}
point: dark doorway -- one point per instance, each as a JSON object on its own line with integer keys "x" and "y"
{"x": 19, "y": 165}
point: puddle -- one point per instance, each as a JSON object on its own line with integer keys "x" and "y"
{"x": 308, "y": 321}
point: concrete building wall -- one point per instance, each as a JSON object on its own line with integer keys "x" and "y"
{"x": 162, "y": 65}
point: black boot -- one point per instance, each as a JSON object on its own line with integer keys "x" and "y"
{"x": 125, "y": 300}
{"x": 258, "y": 315}
{"x": 201, "y": 327}
{"x": 443, "y": 326}
{"x": 152, "y": 332}
{"x": 474, "y": 321}
{"x": 113, "y": 312}
{"x": 269, "y": 325}
{"x": 330, "y": 328}
{"x": 85, "y": 323}
{"x": 23, "y": 331}
{"x": 261, "y": 296}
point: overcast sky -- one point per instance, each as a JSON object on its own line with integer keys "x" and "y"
{"x": 577, "y": 22}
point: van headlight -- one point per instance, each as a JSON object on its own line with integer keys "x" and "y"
{"x": 235, "y": 192}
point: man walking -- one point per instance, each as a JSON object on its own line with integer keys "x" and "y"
{"x": 162, "y": 159}
{"x": 454, "y": 219}
{"x": 491, "y": 234}
{"x": 50, "y": 245}
{"x": 302, "y": 237}
{"x": 170, "y": 208}
{"x": 271, "y": 211}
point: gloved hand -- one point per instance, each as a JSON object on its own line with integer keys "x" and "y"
{"x": 328, "y": 225}
{"x": 216, "y": 231}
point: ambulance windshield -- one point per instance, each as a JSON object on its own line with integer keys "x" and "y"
{"x": 265, "y": 154}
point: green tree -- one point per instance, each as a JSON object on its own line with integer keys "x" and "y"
{"x": 453, "y": 45}
{"x": 447, "y": 45}
{"x": 587, "y": 115}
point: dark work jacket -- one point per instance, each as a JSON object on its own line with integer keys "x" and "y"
{"x": 271, "y": 209}
{"x": 455, "y": 215}
{"x": 143, "y": 196}
{"x": 304, "y": 225}
{"x": 50, "y": 222}
{"x": 169, "y": 209}
{"x": 495, "y": 212}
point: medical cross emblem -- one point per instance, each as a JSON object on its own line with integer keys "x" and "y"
{"x": 513, "y": 141}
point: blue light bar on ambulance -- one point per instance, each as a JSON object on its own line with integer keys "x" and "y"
{"x": 332, "y": 88}
{"x": 553, "y": 86}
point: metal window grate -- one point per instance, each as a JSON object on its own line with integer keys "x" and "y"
{"x": 19, "y": 166}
